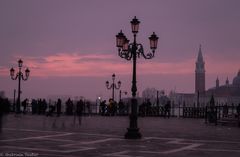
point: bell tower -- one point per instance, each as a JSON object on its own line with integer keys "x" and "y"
{"x": 217, "y": 83}
{"x": 200, "y": 73}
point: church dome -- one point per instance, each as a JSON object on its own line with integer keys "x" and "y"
{"x": 236, "y": 80}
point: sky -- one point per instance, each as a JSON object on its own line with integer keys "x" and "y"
{"x": 69, "y": 45}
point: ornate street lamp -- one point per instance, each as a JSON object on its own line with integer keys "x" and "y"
{"x": 132, "y": 51}
{"x": 113, "y": 86}
{"x": 20, "y": 76}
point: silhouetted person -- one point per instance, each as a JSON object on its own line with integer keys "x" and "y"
{"x": 167, "y": 109}
{"x": 103, "y": 107}
{"x": 59, "y": 107}
{"x": 38, "y": 106}
{"x": 34, "y": 106}
{"x": 238, "y": 110}
{"x": 1, "y": 113}
{"x": 110, "y": 107}
{"x": 121, "y": 107}
{"x": 79, "y": 111}
{"x": 225, "y": 110}
{"x": 4, "y": 109}
{"x": 24, "y": 104}
{"x": 88, "y": 106}
{"x": 44, "y": 106}
{"x": 114, "y": 108}
{"x": 69, "y": 107}
{"x": 51, "y": 109}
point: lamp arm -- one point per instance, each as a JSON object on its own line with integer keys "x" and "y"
{"x": 140, "y": 52}
{"x": 18, "y": 75}
{"x": 126, "y": 54}
{"x": 109, "y": 87}
{"x": 24, "y": 79}
{"x": 117, "y": 87}
{"x": 14, "y": 78}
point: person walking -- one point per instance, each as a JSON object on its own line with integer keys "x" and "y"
{"x": 59, "y": 107}
{"x": 79, "y": 111}
{"x": 167, "y": 109}
{"x": 24, "y": 104}
{"x": 238, "y": 110}
{"x": 1, "y": 113}
{"x": 51, "y": 109}
{"x": 103, "y": 107}
{"x": 225, "y": 110}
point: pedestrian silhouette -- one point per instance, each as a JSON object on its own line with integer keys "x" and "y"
{"x": 79, "y": 111}
{"x": 1, "y": 113}
{"x": 121, "y": 108}
{"x": 69, "y": 107}
{"x": 238, "y": 110}
{"x": 59, "y": 107}
{"x": 24, "y": 104}
{"x": 225, "y": 110}
{"x": 88, "y": 106}
{"x": 103, "y": 107}
{"x": 4, "y": 109}
{"x": 51, "y": 109}
{"x": 167, "y": 109}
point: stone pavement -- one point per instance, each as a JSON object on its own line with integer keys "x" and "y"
{"x": 33, "y": 135}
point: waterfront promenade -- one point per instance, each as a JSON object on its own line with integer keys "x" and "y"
{"x": 33, "y": 135}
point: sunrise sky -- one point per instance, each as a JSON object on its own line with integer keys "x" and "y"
{"x": 69, "y": 45}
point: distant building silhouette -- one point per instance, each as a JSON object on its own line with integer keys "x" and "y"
{"x": 217, "y": 83}
{"x": 227, "y": 93}
{"x": 200, "y": 73}
{"x": 226, "y": 90}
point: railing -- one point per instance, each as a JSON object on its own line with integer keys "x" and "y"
{"x": 194, "y": 112}
{"x": 214, "y": 114}
{"x": 223, "y": 115}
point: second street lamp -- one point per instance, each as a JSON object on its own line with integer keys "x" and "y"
{"x": 19, "y": 76}
{"x": 113, "y": 86}
{"x": 133, "y": 51}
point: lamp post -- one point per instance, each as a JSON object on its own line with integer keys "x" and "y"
{"x": 113, "y": 86}
{"x": 132, "y": 51}
{"x": 14, "y": 99}
{"x": 19, "y": 76}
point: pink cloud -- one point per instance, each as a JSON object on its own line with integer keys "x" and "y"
{"x": 4, "y": 71}
{"x": 223, "y": 66}
{"x": 212, "y": 66}
{"x": 76, "y": 64}
{"x": 185, "y": 67}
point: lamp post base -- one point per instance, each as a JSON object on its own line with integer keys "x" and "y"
{"x": 133, "y": 133}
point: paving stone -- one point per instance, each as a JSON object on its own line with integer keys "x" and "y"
{"x": 35, "y": 135}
